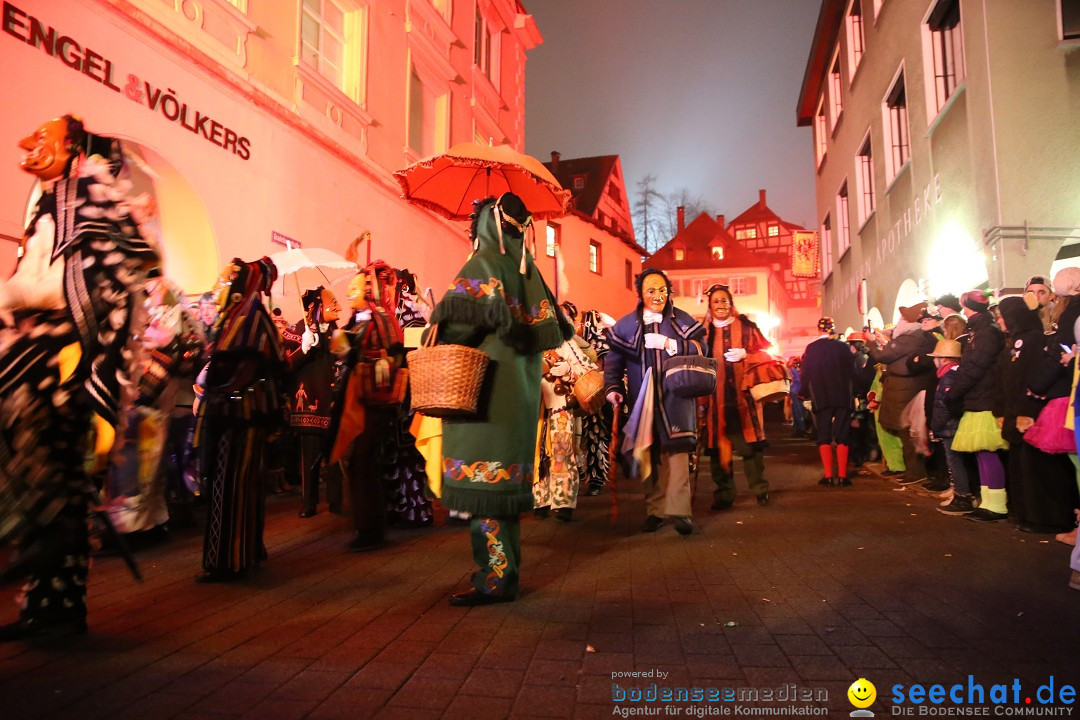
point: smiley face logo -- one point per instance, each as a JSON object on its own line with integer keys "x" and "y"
{"x": 862, "y": 693}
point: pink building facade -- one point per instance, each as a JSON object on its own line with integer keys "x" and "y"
{"x": 259, "y": 124}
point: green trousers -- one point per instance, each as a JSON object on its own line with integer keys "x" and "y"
{"x": 496, "y": 546}
{"x": 722, "y": 469}
{"x": 892, "y": 448}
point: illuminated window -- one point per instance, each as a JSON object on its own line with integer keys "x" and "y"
{"x": 856, "y": 39}
{"x": 629, "y": 274}
{"x": 773, "y": 230}
{"x": 680, "y": 254}
{"x": 718, "y": 252}
{"x": 896, "y": 127}
{"x": 552, "y": 237}
{"x": 579, "y": 182}
{"x": 737, "y": 285}
{"x": 427, "y": 116}
{"x": 1070, "y": 19}
{"x": 865, "y": 180}
{"x": 947, "y": 49}
{"x": 836, "y": 107}
{"x": 843, "y": 224}
{"x": 322, "y": 39}
{"x": 594, "y": 257}
{"x": 745, "y": 233}
{"x": 821, "y": 131}
{"x": 826, "y": 247}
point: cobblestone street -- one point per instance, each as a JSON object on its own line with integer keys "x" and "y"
{"x": 825, "y": 586}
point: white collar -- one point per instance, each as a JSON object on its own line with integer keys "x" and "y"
{"x": 363, "y": 315}
{"x": 723, "y": 323}
{"x": 648, "y": 317}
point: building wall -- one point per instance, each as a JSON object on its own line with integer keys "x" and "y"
{"x": 998, "y": 154}
{"x": 317, "y": 166}
{"x": 607, "y": 290}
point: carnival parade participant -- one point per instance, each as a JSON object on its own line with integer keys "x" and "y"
{"x": 500, "y": 304}
{"x": 369, "y": 395}
{"x": 661, "y": 429}
{"x": 828, "y": 381}
{"x": 238, "y": 407}
{"x": 68, "y": 338}
{"x": 558, "y": 481}
{"x": 307, "y": 350}
{"x": 733, "y": 421}
{"x": 596, "y": 428}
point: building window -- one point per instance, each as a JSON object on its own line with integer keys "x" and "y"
{"x": 680, "y": 254}
{"x": 1070, "y": 19}
{"x": 826, "y": 247}
{"x": 427, "y": 117}
{"x": 843, "y": 223}
{"x": 717, "y": 252}
{"x": 486, "y": 48}
{"x": 947, "y": 49}
{"x": 594, "y": 257}
{"x": 737, "y": 285}
{"x": 745, "y": 233}
{"x": 613, "y": 191}
{"x": 629, "y": 275}
{"x": 896, "y": 127}
{"x": 552, "y": 237}
{"x": 773, "y": 230}
{"x": 579, "y": 182}
{"x": 855, "y": 38}
{"x": 865, "y": 180}
{"x": 322, "y": 39}
{"x": 821, "y": 131}
{"x": 836, "y": 107}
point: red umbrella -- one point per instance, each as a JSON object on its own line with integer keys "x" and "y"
{"x": 448, "y": 183}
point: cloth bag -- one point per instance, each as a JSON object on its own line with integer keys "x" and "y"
{"x": 689, "y": 376}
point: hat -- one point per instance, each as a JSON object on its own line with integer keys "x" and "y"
{"x": 947, "y": 349}
{"x": 976, "y": 300}
{"x": 913, "y": 313}
{"x": 926, "y": 314}
{"x": 1037, "y": 280}
{"x": 948, "y": 301}
{"x": 856, "y": 337}
{"x": 826, "y": 325}
{"x": 1067, "y": 281}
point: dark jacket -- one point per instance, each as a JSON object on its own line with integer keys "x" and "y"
{"x": 902, "y": 383}
{"x": 975, "y": 388}
{"x": 1023, "y": 352}
{"x": 828, "y": 374}
{"x": 943, "y": 423}
{"x": 628, "y": 360}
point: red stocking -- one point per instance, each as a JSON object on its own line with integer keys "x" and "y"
{"x": 826, "y": 458}
{"x": 841, "y": 460}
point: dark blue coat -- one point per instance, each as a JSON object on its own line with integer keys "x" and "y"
{"x": 625, "y": 365}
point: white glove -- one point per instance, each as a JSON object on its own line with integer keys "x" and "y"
{"x": 615, "y": 397}
{"x": 735, "y": 354}
{"x": 308, "y": 340}
{"x": 657, "y": 341}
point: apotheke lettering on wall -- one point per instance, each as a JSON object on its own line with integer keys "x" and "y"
{"x": 32, "y": 31}
{"x": 890, "y": 243}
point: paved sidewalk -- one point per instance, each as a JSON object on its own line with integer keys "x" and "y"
{"x": 823, "y": 587}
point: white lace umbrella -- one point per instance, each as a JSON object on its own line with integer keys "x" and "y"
{"x": 311, "y": 267}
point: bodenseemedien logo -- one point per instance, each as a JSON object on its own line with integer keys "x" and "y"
{"x": 862, "y": 694}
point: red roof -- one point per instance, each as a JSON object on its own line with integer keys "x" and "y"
{"x": 696, "y": 241}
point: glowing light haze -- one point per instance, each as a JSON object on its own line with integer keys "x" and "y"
{"x": 699, "y": 93}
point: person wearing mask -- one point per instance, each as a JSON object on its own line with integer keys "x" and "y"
{"x": 1039, "y": 288}
{"x": 499, "y": 303}
{"x": 661, "y": 428}
{"x": 733, "y": 421}
{"x": 828, "y": 381}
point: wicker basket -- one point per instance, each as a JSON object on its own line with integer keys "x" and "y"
{"x": 589, "y": 391}
{"x": 446, "y": 379}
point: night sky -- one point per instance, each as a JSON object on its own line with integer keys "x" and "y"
{"x": 699, "y": 93}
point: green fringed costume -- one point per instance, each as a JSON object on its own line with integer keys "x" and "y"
{"x": 503, "y": 306}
